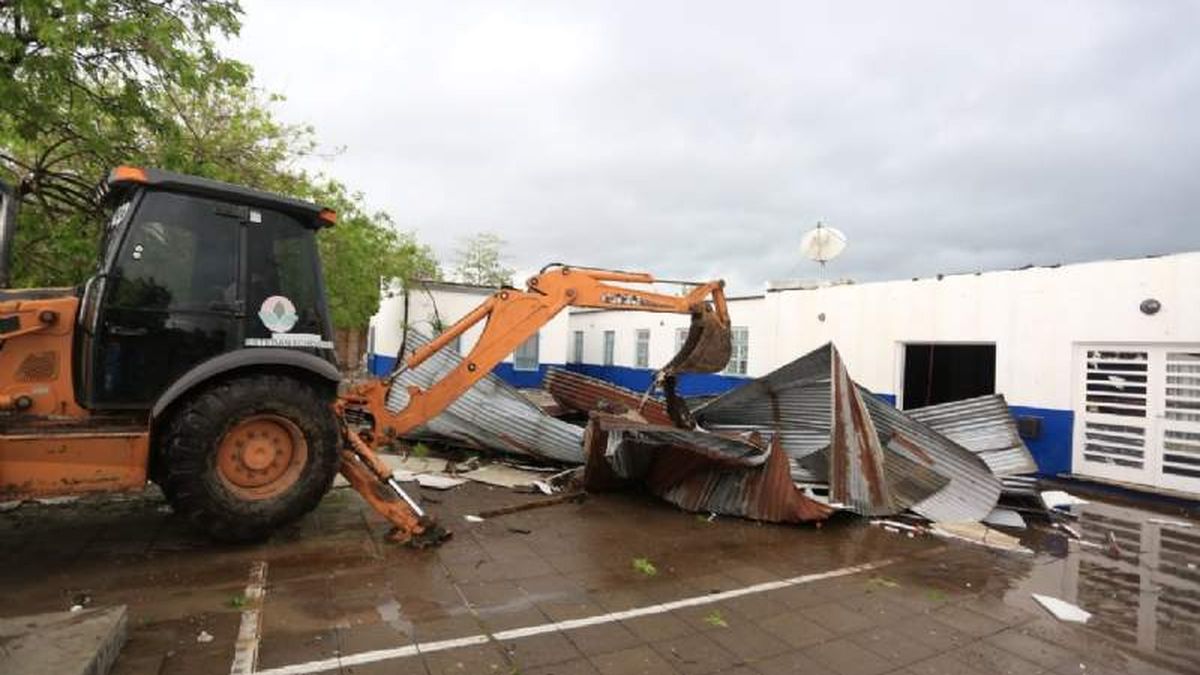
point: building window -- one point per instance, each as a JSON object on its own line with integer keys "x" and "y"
{"x": 610, "y": 341}
{"x": 739, "y": 354}
{"x": 642, "y": 349}
{"x": 526, "y": 356}
{"x": 680, "y": 339}
{"x": 577, "y": 348}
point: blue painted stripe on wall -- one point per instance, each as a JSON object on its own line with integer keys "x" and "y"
{"x": 1052, "y": 448}
{"x": 380, "y": 364}
{"x": 639, "y": 379}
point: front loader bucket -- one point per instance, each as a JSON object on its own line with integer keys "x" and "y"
{"x": 707, "y": 347}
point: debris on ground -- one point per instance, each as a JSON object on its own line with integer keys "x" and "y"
{"x": 791, "y": 446}
{"x": 436, "y": 481}
{"x": 715, "y": 619}
{"x": 1059, "y": 499}
{"x": 472, "y": 519}
{"x": 1062, "y": 610}
{"x": 534, "y": 504}
{"x": 696, "y": 470}
{"x": 1002, "y": 517}
{"x": 204, "y": 636}
{"x": 501, "y": 475}
{"x": 644, "y": 566}
{"x": 877, "y": 460}
{"x": 978, "y": 533}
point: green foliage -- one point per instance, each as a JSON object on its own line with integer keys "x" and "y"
{"x": 86, "y": 85}
{"x": 237, "y": 601}
{"x": 479, "y": 260}
{"x": 715, "y": 619}
{"x": 644, "y": 566}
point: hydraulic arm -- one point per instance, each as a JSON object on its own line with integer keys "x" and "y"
{"x": 510, "y": 316}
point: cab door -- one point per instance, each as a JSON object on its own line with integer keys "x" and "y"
{"x": 171, "y": 299}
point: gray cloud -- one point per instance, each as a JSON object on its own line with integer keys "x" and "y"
{"x": 702, "y": 138}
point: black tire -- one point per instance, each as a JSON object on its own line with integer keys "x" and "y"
{"x": 191, "y": 479}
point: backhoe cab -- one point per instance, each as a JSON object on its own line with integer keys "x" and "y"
{"x": 199, "y": 356}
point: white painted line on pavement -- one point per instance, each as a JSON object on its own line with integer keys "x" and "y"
{"x": 378, "y": 655}
{"x": 245, "y": 650}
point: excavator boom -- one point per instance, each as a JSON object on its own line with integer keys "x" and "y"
{"x": 511, "y": 316}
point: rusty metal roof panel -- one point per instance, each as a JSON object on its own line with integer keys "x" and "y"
{"x": 856, "y": 476}
{"x": 793, "y": 400}
{"x": 972, "y": 491}
{"x": 490, "y": 415}
{"x": 985, "y": 426}
{"x": 584, "y": 393}
{"x": 698, "y": 471}
{"x": 816, "y": 407}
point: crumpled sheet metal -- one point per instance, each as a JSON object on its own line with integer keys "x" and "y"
{"x": 972, "y": 492}
{"x": 576, "y": 391}
{"x": 490, "y": 415}
{"x": 697, "y": 471}
{"x": 793, "y": 401}
{"x": 816, "y": 408}
{"x": 985, "y": 426}
{"x": 856, "y": 476}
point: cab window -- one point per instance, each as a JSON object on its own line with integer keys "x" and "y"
{"x": 177, "y": 255}
{"x": 282, "y": 261}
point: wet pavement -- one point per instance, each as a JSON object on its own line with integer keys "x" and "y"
{"x": 725, "y": 596}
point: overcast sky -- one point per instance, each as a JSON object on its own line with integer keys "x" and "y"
{"x": 700, "y": 139}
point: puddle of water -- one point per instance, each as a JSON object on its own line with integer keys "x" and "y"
{"x": 389, "y": 612}
{"x": 1145, "y": 596}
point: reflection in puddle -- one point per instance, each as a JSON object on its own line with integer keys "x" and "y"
{"x": 1144, "y": 592}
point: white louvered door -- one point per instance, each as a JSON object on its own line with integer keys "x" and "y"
{"x": 1137, "y": 411}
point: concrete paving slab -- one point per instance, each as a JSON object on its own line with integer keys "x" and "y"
{"x": 84, "y": 642}
{"x": 336, "y": 591}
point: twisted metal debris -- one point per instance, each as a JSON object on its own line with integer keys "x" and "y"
{"x": 696, "y": 470}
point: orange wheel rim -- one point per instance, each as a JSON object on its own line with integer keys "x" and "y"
{"x": 261, "y": 456}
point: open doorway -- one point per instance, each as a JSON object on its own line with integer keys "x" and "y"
{"x": 938, "y": 373}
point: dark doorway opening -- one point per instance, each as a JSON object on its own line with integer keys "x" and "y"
{"x": 939, "y": 373}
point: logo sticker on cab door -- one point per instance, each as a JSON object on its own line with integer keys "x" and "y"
{"x": 278, "y": 314}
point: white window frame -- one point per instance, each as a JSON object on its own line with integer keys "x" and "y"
{"x": 521, "y": 360}
{"x": 641, "y": 348}
{"x": 739, "y": 352}
{"x": 577, "y": 347}
{"x": 610, "y": 347}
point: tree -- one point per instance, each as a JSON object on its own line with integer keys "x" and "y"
{"x": 79, "y": 82}
{"x": 89, "y": 84}
{"x": 479, "y": 261}
{"x": 362, "y": 251}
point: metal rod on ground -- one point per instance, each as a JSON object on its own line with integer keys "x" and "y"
{"x": 525, "y": 506}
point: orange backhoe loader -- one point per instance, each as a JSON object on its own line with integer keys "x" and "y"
{"x": 199, "y": 356}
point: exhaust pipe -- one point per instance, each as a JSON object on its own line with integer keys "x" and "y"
{"x": 8, "y": 230}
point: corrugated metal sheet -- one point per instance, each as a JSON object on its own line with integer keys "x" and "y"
{"x": 697, "y": 471}
{"x": 490, "y": 415}
{"x": 930, "y": 474}
{"x": 856, "y": 477}
{"x": 972, "y": 492}
{"x": 984, "y": 426}
{"x": 589, "y": 394}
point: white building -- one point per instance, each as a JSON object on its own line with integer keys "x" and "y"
{"x": 436, "y": 305}
{"x": 1099, "y": 361}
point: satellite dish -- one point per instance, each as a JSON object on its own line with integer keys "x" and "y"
{"x": 823, "y": 243}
